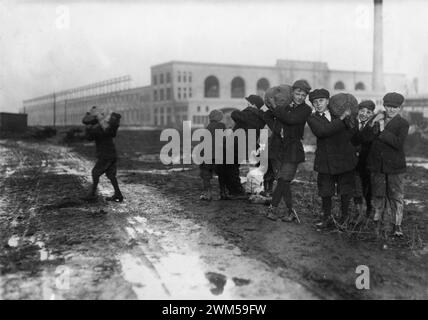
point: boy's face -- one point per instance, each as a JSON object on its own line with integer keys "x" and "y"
{"x": 391, "y": 111}
{"x": 364, "y": 114}
{"x": 251, "y": 105}
{"x": 320, "y": 104}
{"x": 299, "y": 96}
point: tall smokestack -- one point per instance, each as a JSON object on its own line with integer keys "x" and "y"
{"x": 377, "y": 80}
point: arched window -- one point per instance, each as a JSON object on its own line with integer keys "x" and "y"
{"x": 212, "y": 87}
{"x": 238, "y": 88}
{"x": 339, "y": 85}
{"x": 262, "y": 86}
{"x": 360, "y": 86}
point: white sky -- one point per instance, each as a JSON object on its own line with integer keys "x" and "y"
{"x": 107, "y": 39}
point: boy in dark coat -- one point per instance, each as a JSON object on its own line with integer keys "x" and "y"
{"x": 387, "y": 164}
{"x": 362, "y": 139}
{"x": 207, "y": 169}
{"x": 249, "y": 118}
{"x": 335, "y": 156}
{"x": 102, "y": 130}
{"x": 287, "y": 122}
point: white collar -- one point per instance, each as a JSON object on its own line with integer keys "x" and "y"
{"x": 327, "y": 114}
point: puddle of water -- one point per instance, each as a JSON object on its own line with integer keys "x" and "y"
{"x": 412, "y": 201}
{"x": 44, "y": 253}
{"x": 131, "y": 232}
{"x": 186, "y": 278}
{"x": 13, "y": 241}
{"x": 140, "y": 226}
{"x": 421, "y": 164}
{"x": 418, "y": 162}
{"x": 158, "y": 171}
{"x": 145, "y": 283}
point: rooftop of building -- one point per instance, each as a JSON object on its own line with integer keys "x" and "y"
{"x": 295, "y": 64}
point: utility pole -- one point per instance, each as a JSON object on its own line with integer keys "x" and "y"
{"x": 377, "y": 75}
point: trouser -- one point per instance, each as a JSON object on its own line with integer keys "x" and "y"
{"x": 233, "y": 180}
{"x": 363, "y": 189}
{"x": 285, "y": 173}
{"x": 206, "y": 174}
{"x": 328, "y": 185}
{"x": 268, "y": 177}
{"x": 388, "y": 197}
{"x": 107, "y": 166}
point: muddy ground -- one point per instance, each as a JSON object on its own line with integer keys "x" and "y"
{"x": 163, "y": 243}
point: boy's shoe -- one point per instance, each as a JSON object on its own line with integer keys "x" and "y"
{"x": 272, "y": 213}
{"x": 205, "y": 197}
{"x": 224, "y": 196}
{"x": 398, "y": 232}
{"x": 325, "y": 223}
{"x": 115, "y": 198}
{"x": 292, "y": 216}
{"x": 266, "y": 194}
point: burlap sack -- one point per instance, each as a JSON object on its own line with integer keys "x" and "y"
{"x": 282, "y": 95}
{"x": 341, "y": 102}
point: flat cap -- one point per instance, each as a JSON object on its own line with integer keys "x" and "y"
{"x": 319, "y": 93}
{"x": 368, "y": 104}
{"x": 393, "y": 99}
{"x": 302, "y": 84}
{"x": 256, "y": 100}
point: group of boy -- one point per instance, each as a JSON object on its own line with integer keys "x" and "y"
{"x": 359, "y": 157}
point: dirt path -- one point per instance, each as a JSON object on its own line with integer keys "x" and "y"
{"x": 54, "y": 246}
{"x": 325, "y": 262}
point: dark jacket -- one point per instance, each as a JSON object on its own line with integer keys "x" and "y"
{"x": 104, "y": 144}
{"x": 288, "y": 126}
{"x": 362, "y": 140}
{"x": 211, "y": 127}
{"x": 334, "y": 154}
{"x": 387, "y": 151}
{"x": 249, "y": 118}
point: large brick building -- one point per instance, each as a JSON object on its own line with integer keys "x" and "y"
{"x": 190, "y": 90}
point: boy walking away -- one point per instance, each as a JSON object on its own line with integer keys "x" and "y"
{"x": 102, "y": 128}
{"x": 287, "y": 122}
{"x": 362, "y": 140}
{"x": 335, "y": 157}
{"x": 207, "y": 169}
{"x": 387, "y": 164}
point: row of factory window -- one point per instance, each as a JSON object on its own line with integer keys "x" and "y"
{"x": 238, "y": 87}
{"x": 339, "y": 85}
{"x": 200, "y": 120}
{"x": 199, "y": 108}
{"x": 166, "y": 78}
{"x": 166, "y": 94}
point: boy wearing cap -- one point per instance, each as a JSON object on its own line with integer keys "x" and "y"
{"x": 335, "y": 157}
{"x": 287, "y": 123}
{"x": 206, "y": 169}
{"x": 362, "y": 140}
{"x": 103, "y": 131}
{"x": 387, "y": 164}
